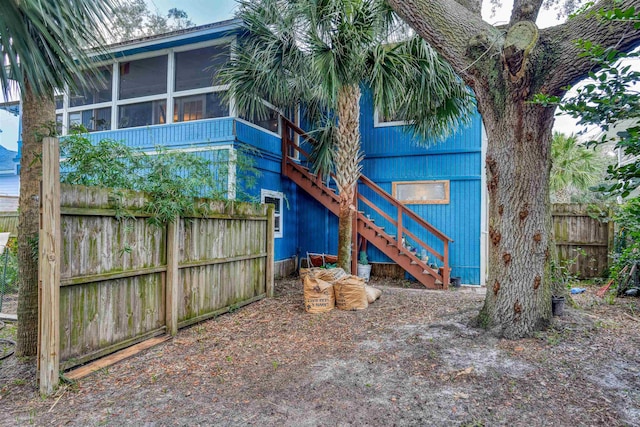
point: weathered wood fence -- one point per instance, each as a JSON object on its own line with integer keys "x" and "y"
{"x": 123, "y": 280}
{"x": 582, "y": 238}
{"x": 9, "y": 223}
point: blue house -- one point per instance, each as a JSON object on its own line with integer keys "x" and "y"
{"x": 159, "y": 91}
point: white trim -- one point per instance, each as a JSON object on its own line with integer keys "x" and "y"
{"x": 378, "y": 124}
{"x": 484, "y": 200}
{"x": 280, "y": 196}
{"x": 115, "y": 90}
{"x": 171, "y": 69}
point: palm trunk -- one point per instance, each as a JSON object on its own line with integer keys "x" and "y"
{"x": 347, "y": 158}
{"x": 38, "y": 119}
{"x": 518, "y": 163}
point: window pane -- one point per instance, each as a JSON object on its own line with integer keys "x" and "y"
{"x": 142, "y": 114}
{"x": 97, "y": 89}
{"x": 269, "y": 123}
{"x": 143, "y": 77}
{"x": 422, "y": 192}
{"x": 196, "y": 107}
{"x": 275, "y": 202}
{"x": 197, "y": 68}
{"x": 59, "y": 102}
{"x": 93, "y": 120}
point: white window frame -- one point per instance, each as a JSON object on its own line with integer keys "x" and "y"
{"x": 380, "y": 124}
{"x": 277, "y": 218}
{"x": 447, "y": 192}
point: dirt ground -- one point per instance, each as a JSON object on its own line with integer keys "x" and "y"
{"x": 410, "y": 359}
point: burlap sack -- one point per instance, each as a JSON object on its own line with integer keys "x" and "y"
{"x": 372, "y": 293}
{"x": 350, "y": 293}
{"x": 326, "y": 274}
{"x": 318, "y": 295}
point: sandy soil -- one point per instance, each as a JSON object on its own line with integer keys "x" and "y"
{"x": 410, "y": 359}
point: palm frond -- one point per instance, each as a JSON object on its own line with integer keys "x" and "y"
{"x": 46, "y": 42}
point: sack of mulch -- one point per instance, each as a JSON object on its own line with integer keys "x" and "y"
{"x": 372, "y": 293}
{"x": 326, "y": 274}
{"x": 318, "y": 295}
{"x": 350, "y": 293}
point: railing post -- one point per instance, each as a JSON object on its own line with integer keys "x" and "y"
{"x": 399, "y": 222}
{"x": 446, "y": 271}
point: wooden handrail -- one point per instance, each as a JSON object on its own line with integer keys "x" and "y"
{"x": 405, "y": 210}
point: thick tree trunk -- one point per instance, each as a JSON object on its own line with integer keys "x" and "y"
{"x": 347, "y": 159}
{"x": 518, "y": 164}
{"x": 38, "y": 120}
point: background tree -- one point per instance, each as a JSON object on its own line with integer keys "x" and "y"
{"x": 506, "y": 66}
{"x": 133, "y": 19}
{"x": 42, "y": 46}
{"x": 317, "y": 54}
{"x": 574, "y": 168}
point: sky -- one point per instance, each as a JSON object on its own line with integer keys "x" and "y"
{"x": 207, "y": 11}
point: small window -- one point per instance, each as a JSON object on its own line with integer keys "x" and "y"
{"x": 143, "y": 77}
{"x": 196, "y": 69}
{"x": 196, "y": 107}
{"x": 422, "y": 192}
{"x": 275, "y": 198}
{"x": 142, "y": 114}
{"x": 380, "y": 120}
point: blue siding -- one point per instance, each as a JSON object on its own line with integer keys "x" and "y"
{"x": 267, "y": 158}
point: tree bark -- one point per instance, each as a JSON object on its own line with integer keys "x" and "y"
{"x": 347, "y": 160}
{"x": 38, "y": 121}
{"x": 506, "y": 67}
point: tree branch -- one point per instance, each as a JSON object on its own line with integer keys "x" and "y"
{"x": 449, "y": 28}
{"x": 473, "y": 6}
{"x": 561, "y": 40}
{"x": 525, "y": 10}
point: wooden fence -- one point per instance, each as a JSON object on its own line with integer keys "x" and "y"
{"x": 122, "y": 281}
{"x": 583, "y": 241}
{"x": 9, "y": 223}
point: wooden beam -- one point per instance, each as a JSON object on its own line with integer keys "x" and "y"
{"x": 114, "y": 358}
{"x": 49, "y": 267}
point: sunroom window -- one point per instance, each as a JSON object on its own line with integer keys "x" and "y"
{"x": 197, "y": 68}
{"x": 142, "y": 114}
{"x": 93, "y": 120}
{"x": 196, "y": 107}
{"x": 97, "y": 88}
{"x": 143, "y": 77}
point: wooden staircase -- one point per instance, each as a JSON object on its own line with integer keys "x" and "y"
{"x": 396, "y": 216}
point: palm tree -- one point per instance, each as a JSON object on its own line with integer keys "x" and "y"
{"x": 42, "y": 43}
{"x": 317, "y": 54}
{"x": 573, "y": 167}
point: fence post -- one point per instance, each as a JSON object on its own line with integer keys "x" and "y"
{"x": 270, "y": 251}
{"x": 49, "y": 267}
{"x": 173, "y": 276}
